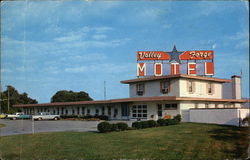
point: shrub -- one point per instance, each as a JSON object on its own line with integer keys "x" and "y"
{"x": 102, "y": 117}
{"x": 161, "y": 122}
{"x": 246, "y": 120}
{"x": 104, "y": 127}
{"x": 177, "y": 118}
{"x": 122, "y": 126}
{"x": 137, "y": 125}
{"x": 144, "y": 124}
{"x": 152, "y": 123}
{"x": 114, "y": 127}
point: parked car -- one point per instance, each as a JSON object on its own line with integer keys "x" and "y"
{"x": 45, "y": 116}
{"x": 2, "y": 116}
{"x": 18, "y": 115}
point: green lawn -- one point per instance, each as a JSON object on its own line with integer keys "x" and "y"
{"x": 184, "y": 141}
{"x": 2, "y": 125}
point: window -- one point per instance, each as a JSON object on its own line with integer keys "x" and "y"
{"x": 210, "y": 88}
{"x": 165, "y": 86}
{"x": 159, "y": 110}
{"x": 66, "y": 112}
{"x": 83, "y": 110}
{"x": 58, "y": 110}
{"x": 196, "y": 105}
{"x": 97, "y": 111}
{"x": 78, "y": 110}
{"x": 206, "y": 105}
{"x": 115, "y": 112}
{"x": 109, "y": 110}
{"x": 139, "y": 111}
{"x": 190, "y": 86}
{"x": 140, "y": 89}
{"x": 103, "y": 110}
{"x": 88, "y": 111}
{"x": 73, "y": 111}
{"x": 171, "y": 106}
{"x": 62, "y": 110}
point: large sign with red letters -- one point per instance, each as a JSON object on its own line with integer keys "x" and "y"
{"x": 159, "y": 63}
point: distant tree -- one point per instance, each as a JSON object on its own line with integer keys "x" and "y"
{"x": 70, "y": 96}
{"x": 14, "y": 98}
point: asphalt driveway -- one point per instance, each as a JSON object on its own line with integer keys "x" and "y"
{"x": 28, "y": 126}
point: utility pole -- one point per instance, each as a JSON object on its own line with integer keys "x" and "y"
{"x": 104, "y": 90}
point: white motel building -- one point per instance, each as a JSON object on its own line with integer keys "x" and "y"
{"x": 164, "y": 94}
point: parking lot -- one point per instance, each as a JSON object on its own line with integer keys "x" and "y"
{"x": 28, "y": 126}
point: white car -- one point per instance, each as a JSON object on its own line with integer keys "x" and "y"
{"x": 45, "y": 116}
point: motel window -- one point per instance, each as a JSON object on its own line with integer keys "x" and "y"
{"x": 210, "y": 88}
{"x": 139, "y": 111}
{"x": 88, "y": 111}
{"x": 171, "y": 106}
{"x": 62, "y": 110}
{"x": 115, "y": 112}
{"x": 97, "y": 111}
{"x": 140, "y": 89}
{"x": 190, "y": 86}
{"x": 206, "y": 105}
{"x": 54, "y": 111}
{"x": 58, "y": 110}
{"x": 159, "y": 110}
{"x": 196, "y": 105}
{"x": 216, "y": 105}
{"x": 109, "y": 110}
{"x": 103, "y": 110}
{"x": 66, "y": 112}
{"x": 83, "y": 110}
{"x": 78, "y": 110}
{"x": 73, "y": 111}
{"x": 165, "y": 86}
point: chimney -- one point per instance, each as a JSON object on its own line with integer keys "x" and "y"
{"x": 236, "y": 87}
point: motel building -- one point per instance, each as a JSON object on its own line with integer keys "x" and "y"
{"x": 167, "y": 84}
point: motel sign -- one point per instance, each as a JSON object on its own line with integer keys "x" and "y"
{"x": 159, "y": 63}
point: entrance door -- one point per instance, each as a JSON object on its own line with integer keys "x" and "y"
{"x": 125, "y": 111}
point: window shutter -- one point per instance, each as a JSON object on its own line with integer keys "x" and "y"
{"x": 143, "y": 89}
{"x": 187, "y": 86}
{"x": 137, "y": 87}
{"x": 169, "y": 85}
{"x": 161, "y": 86}
{"x": 212, "y": 88}
{"x": 193, "y": 89}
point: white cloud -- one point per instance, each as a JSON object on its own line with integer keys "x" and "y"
{"x": 241, "y": 39}
{"x": 68, "y": 38}
{"x": 5, "y": 70}
{"x": 214, "y": 45}
{"x": 99, "y": 36}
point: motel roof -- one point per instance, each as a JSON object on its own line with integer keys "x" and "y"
{"x": 152, "y": 78}
{"x": 127, "y": 100}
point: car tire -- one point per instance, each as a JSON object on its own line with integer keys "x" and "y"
{"x": 56, "y": 118}
{"x": 14, "y": 118}
{"x": 40, "y": 118}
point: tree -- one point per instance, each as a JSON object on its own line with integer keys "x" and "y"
{"x": 70, "y": 96}
{"x": 14, "y": 98}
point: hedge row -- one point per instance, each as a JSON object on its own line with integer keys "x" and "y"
{"x": 107, "y": 127}
{"x": 104, "y": 127}
{"x": 101, "y": 117}
{"x": 159, "y": 122}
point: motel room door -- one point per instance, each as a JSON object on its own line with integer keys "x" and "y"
{"x": 125, "y": 111}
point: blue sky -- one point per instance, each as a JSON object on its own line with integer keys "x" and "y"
{"x": 48, "y": 46}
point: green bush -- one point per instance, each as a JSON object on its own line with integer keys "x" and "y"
{"x": 137, "y": 125}
{"x": 152, "y": 123}
{"x": 246, "y": 120}
{"x": 177, "y": 118}
{"x": 114, "y": 127}
{"x": 161, "y": 122}
{"x": 144, "y": 124}
{"x": 122, "y": 126}
{"x": 104, "y": 127}
{"x": 170, "y": 122}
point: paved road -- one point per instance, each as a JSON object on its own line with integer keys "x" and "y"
{"x": 28, "y": 126}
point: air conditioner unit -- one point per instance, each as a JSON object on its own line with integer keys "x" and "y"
{"x": 139, "y": 93}
{"x": 165, "y": 90}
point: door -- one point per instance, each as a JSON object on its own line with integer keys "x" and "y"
{"x": 125, "y": 111}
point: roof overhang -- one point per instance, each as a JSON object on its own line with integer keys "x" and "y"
{"x": 153, "y": 78}
{"x": 130, "y": 100}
